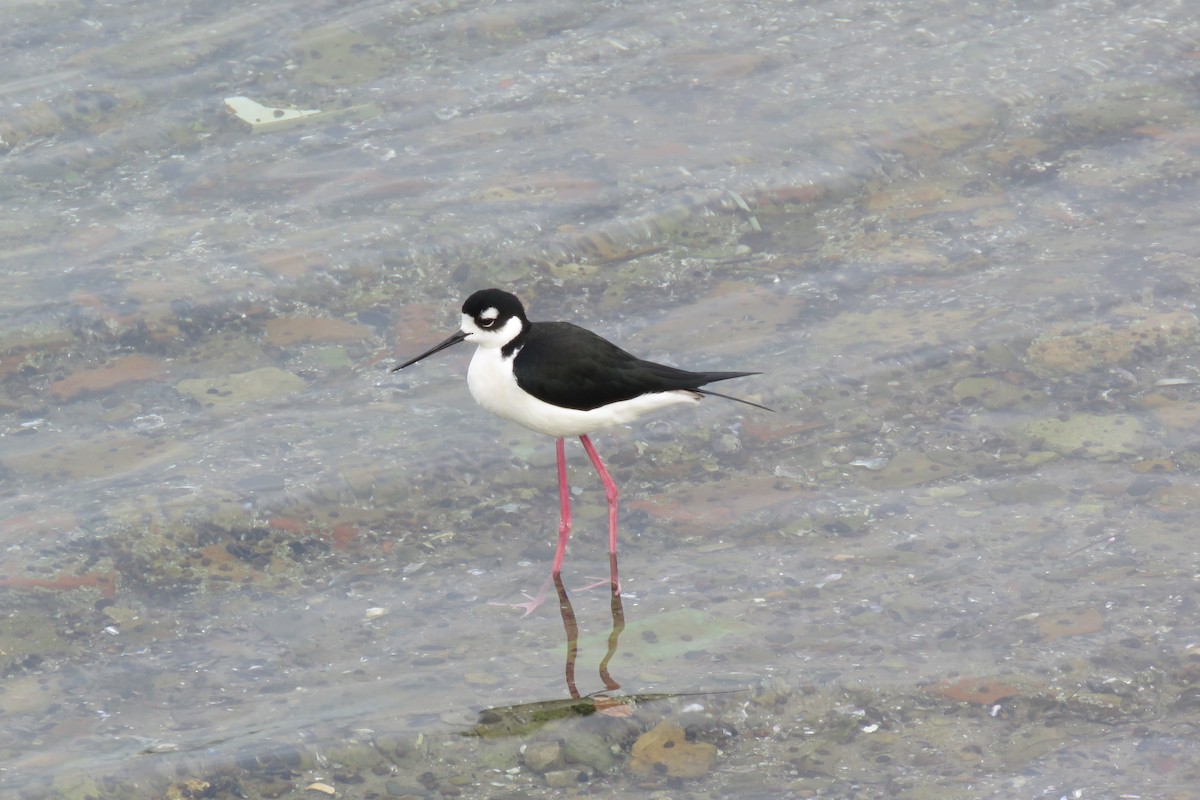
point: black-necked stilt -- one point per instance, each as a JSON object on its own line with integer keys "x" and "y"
{"x": 559, "y": 379}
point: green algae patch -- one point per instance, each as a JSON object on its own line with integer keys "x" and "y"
{"x": 1134, "y": 331}
{"x": 667, "y": 636}
{"x": 898, "y": 328}
{"x": 996, "y": 393}
{"x": 1105, "y": 437}
{"x": 906, "y": 469}
{"x": 340, "y": 56}
{"x": 103, "y": 454}
{"x": 243, "y": 387}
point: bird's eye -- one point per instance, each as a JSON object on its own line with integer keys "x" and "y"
{"x": 486, "y": 323}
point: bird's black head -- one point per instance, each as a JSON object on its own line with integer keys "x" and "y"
{"x": 490, "y": 318}
{"x": 491, "y": 309}
{"x": 494, "y": 318}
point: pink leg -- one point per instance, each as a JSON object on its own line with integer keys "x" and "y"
{"x": 610, "y": 493}
{"x": 564, "y": 508}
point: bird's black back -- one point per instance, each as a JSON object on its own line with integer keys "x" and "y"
{"x": 568, "y": 366}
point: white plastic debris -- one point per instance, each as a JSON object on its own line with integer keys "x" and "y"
{"x": 263, "y": 118}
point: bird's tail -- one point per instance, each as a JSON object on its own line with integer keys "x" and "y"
{"x": 734, "y": 399}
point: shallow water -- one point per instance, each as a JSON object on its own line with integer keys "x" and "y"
{"x": 241, "y": 557}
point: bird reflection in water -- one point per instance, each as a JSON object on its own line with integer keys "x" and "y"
{"x": 527, "y": 717}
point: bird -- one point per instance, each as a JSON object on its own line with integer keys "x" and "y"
{"x": 562, "y": 380}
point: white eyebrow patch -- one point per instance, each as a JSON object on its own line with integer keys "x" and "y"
{"x": 489, "y": 313}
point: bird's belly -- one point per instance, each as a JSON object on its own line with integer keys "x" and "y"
{"x": 494, "y": 387}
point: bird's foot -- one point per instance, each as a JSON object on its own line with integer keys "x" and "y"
{"x": 613, "y": 583}
{"x": 532, "y": 603}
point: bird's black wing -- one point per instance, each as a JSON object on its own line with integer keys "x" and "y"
{"x": 565, "y": 365}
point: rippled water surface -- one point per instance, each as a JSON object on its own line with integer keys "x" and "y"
{"x": 241, "y": 558}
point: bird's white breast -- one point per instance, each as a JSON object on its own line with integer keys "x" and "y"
{"x": 494, "y": 386}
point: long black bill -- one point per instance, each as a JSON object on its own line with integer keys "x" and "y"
{"x": 453, "y": 340}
